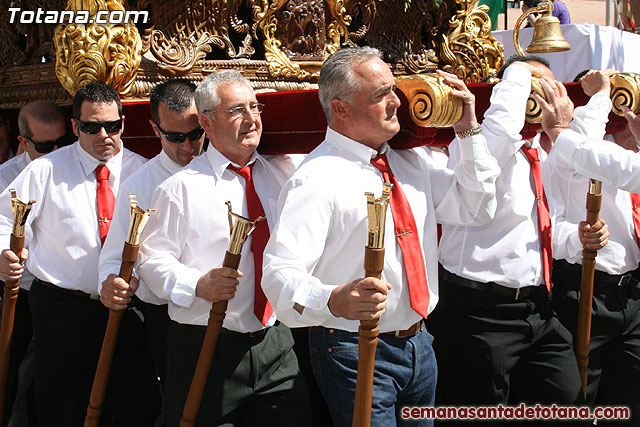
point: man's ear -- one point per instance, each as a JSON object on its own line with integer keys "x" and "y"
{"x": 22, "y": 142}
{"x": 206, "y": 123}
{"x": 154, "y": 127}
{"x": 339, "y": 109}
{"x": 74, "y": 126}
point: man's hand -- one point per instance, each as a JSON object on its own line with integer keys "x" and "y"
{"x": 218, "y": 284}
{"x": 593, "y": 237}
{"x": 361, "y": 299}
{"x": 596, "y": 81}
{"x": 557, "y": 110}
{"x": 11, "y": 267}
{"x": 468, "y": 119}
{"x": 116, "y": 293}
{"x": 634, "y": 122}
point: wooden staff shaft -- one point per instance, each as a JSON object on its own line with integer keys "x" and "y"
{"x": 11, "y": 288}
{"x": 101, "y": 379}
{"x": 200, "y": 375}
{"x": 583, "y": 333}
{"x": 367, "y": 343}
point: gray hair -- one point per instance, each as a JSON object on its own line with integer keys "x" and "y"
{"x": 337, "y": 79}
{"x": 43, "y": 111}
{"x": 206, "y": 94}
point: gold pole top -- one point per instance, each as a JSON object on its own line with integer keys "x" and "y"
{"x": 20, "y": 213}
{"x": 377, "y": 212}
{"x": 595, "y": 187}
{"x": 138, "y": 220}
{"x": 240, "y": 230}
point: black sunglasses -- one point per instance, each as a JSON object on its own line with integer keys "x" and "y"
{"x": 179, "y": 138}
{"x": 92, "y": 128}
{"x": 47, "y": 146}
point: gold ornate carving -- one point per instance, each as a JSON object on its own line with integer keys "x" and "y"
{"x": 430, "y": 100}
{"x": 97, "y": 52}
{"x": 184, "y": 32}
{"x": 469, "y": 50}
{"x": 625, "y": 91}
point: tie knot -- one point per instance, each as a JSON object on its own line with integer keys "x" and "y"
{"x": 531, "y": 153}
{"x": 102, "y": 173}
{"x": 244, "y": 172}
{"x": 381, "y": 163}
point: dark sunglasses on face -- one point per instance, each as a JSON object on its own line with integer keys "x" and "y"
{"x": 179, "y": 138}
{"x": 47, "y": 146}
{"x": 93, "y": 128}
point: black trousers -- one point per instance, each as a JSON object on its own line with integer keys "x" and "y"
{"x": 614, "y": 350}
{"x": 495, "y": 350}
{"x": 68, "y": 330}
{"x": 21, "y": 339}
{"x": 156, "y": 325}
{"x": 253, "y": 381}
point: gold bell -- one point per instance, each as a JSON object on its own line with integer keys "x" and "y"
{"x": 547, "y": 36}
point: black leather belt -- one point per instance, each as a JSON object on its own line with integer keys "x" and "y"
{"x": 259, "y": 334}
{"x": 515, "y": 294}
{"x": 600, "y": 277}
{"x": 73, "y": 292}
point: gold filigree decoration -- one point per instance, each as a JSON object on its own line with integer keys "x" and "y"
{"x": 469, "y": 50}
{"x": 97, "y": 52}
{"x": 430, "y": 100}
{"x": 185, "y": 32}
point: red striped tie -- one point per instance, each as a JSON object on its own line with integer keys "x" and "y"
{"x": 544, "y": 218}
{"x": 259, "y": 238}
{"x": 105, "y": 201}
{"x": 635, "y": 210}
{"x": 407, "y": 235}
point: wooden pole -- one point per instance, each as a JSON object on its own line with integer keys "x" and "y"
{"x": 11, "y": 288}
{"x": 583, "y": 333}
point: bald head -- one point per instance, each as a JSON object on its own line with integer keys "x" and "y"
{"x": 42, "y": 128}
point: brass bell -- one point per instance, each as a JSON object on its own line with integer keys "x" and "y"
{"x": 547, "y": 36}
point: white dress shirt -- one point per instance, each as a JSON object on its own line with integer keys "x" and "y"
{"x": 506, "y": 250}
{"x": 568, "y": 188}
{"x": 600, "y": 160}
{"x": 188, "y": 235}
{"x": 142, "y": 184}
{"x": 320, "y": 237}
{"x": 62, "y": 229}
{"x": 9, "y": 170}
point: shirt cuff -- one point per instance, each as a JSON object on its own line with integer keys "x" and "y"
{"x": 184, "y": 292}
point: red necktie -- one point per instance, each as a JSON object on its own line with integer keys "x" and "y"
{"x": 259, "y": 238}
{"x": 635, "y": 210}
{"x": 105, "y": 201}
{"x": 407, "y": 235}
{"x": 544, "y": 218}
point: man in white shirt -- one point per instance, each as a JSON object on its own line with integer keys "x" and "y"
{"x": 496, "y": 337}
{"x": 64, "y": 233}
{"x": 42, "y": 130}
{"x": 614, "y": 354}
{"x": 254, "y": 377}
{"x": 313, "y": 265}
{"x": 174, "y": 119}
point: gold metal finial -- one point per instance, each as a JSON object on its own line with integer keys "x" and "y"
{"x": 138, "y": 220}
{"x": 595, "y": 187}
{"x": 240, "y": 230}
{"x": 377, "y": 213}
{"x": 20, "y": 213}
{"x": 547, "y": 35}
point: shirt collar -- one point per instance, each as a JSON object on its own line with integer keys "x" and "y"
{"x": 90, "y": 163}
{"x": 219, "y": 162}
{"x": 169, "y": 164}
{"x": 361, "y": 152}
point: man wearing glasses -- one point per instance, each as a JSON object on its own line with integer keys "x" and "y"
{"x": 74, "y": 189}
{"x": 174, "y": 119}
{"x": 41, "y": 121}
{"x": 254, "y": 377}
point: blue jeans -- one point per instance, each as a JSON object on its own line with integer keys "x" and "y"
{"x": 405, "y": 375}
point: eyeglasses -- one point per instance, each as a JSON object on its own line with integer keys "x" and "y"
{"x": 179, "y": 138}
{"x": 238, "y": 112}
{"x": 47, "y": 146}
{"x": 93, "y": 128}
